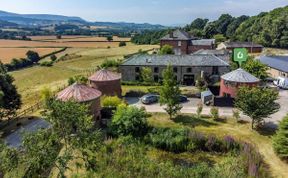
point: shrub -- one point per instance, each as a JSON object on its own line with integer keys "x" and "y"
{"x": 122, "y": 43}
{"x": 53, "y": 57}
{"x": 199, "y": 110}
{"x": 175, "y": 140}
{"x": 166, "y": 49}
{"x": 214, "y": 113}
{"x": 77, "y": 79}
{"x": 201, "y": 84}
{"x": 112, "y": 101}
{"x": 129, "y": 121}
{"x": 280, "y": 140}
{"x": 213, "y": 144}
{"x": 110, "y": 63}
{"x": 236, "y": 114}
{"x": 46, "y": 64}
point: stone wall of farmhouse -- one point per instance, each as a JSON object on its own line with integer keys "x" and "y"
{"x": 129, "y": 72}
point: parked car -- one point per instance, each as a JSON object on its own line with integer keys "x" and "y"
{"x": 281, "y": 82}
{"x": 183, "y": 99}
{"x": 149, "y": 99}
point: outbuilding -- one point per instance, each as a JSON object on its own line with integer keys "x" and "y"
{"x": 109, "y": 83}
{"x": 231, "y": 82}
{"x": 83, "y": 94}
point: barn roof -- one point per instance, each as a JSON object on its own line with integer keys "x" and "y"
{"x": 105, "y": 75}
{"x": 177, "y": 35}
{"x": 276, "y": 62}
{"x": 175, "y": 60}
{"x": 242, "y": 45}
{"x": 240, "y": 76}
{"x": 203, "y": 42}
{"x": 79, "y": 93}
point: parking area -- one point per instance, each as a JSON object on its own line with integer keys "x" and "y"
{"x": 191, "y": 107}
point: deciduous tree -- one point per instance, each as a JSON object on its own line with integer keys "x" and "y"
{"x": 170, "y": 92}
{"x": 257, "y": 103}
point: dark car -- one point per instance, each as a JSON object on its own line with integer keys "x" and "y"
{"x": 183, "y": 99}
{"x": 149, "y": 99}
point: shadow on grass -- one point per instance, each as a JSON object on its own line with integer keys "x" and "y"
{"x": 193, "y": 121}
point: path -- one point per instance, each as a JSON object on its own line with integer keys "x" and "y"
{"x": 15, "y": 139}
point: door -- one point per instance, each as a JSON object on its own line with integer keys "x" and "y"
{"x": 188, "y": 80}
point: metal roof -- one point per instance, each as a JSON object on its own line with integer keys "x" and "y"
{"x": 203, "y": 42}
{"x": 212, "y": 51}
{"x": 79, "y": 93}
{"x": 276, "y": 62}
{"x": 175, "y": 60}
{"x": 105, "y": 75}
{"x": 242, "y": 45}
{"x": 177, "y": 35}
{"x": 240, "y": 76}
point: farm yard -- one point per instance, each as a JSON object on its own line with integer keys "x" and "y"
{"x": 30, "y": 81}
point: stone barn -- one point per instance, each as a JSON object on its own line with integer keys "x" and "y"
{"x": 83, "y": 94}
{"x": 109, "y": 83}
{"x": 230, "y": 82}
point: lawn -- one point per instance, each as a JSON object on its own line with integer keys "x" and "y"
{"x": 229, "y": 127}
{"x": 30, "y": 81}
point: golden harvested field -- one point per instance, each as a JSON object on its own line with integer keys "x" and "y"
{"x": 7, "y": 54}
{"x": 39, "y": 44}
{"x": 53, "y": 37}
{"x": 86, "y": 39}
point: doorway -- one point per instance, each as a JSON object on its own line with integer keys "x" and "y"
{"x": 188, "y": 80}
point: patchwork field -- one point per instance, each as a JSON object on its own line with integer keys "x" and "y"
{"x": 75, "y": 38}
{"x": 30, "y": 81}
{"x": 39, "y": 44}
{"x": 7, "y": 54}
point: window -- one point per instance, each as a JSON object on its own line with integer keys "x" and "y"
{"x": 189, "y": 70}
{"x": 179, "y": 43}
{"x": 215, "y": 70}
{"x": 137, "y": 69}
{"x": 175, "y": 69}
{"x": 156, "y": 78}
{"x": 137, "y": 78}
{"x": 156, "y": 70}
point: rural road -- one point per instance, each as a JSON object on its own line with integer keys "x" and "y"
{"x": 15, "y": 139}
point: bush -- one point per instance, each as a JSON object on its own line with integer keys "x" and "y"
{"x": 129, "y": 121}
{"x": 199, "y": 109}
{"x": 280, "y": 140}
{"x": 53, "y": 57}
{"x": 214, "y": 113}
{"x": 46, "y": 63}
{"x": 112, "y": 101}
{"x": 122, "y": 43}
{"x": 175, "y": 140}
{"x": 166, "y": 49}
{"x": 110, "y": 63}
{"x": 236, "y": 114}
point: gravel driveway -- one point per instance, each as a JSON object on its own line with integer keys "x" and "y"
{"x": 15, "y": 139}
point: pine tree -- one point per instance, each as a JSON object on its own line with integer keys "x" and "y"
{"x": 280, "y": 140}
{"x": 170, "y": 92}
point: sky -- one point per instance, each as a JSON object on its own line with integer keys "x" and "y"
{"x": 165, "y": 12}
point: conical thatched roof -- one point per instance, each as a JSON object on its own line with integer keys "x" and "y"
{"x": 105, "y": 75}
{"x": 240, "y": 76}
{"x": 79, "y": 93}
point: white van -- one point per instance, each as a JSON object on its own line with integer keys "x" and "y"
{"x": 281, "y": 82}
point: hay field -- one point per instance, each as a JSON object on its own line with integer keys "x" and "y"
{"x": 30, "y": 81}
{"x": 7, "y": 54}
{"x": 86, "y": 39}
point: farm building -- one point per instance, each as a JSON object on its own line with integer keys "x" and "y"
{"x": 83, "y": 94}
{"x": 250, "y": 46}
{"x": 183, "y": 43}
{"x": 109, "y": 83}
{"x": 186, "y": 67}
{"x": 223, "y": 54}
{"x": 278, "y": 65}
{"x": 230, "y": 82}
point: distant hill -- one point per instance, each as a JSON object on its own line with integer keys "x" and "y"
{"x": 49, "y": 19}
{"x": 7, "y": 24}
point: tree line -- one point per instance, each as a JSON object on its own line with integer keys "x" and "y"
{"x": 269, "y": 29}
